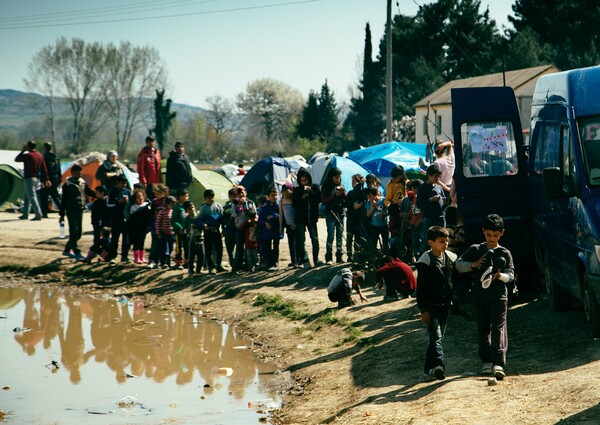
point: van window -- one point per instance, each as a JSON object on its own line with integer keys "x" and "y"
{"x": 489, "y": 149}
{"x": 590, "y": 138}
{"x": 547, "y": 138}
{"x": 568, "y": 158}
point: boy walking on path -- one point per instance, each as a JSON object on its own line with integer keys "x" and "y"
{"x": 434, "y": 296}
{"x": 74, "y": 192}
{"x": 493, "y": 269}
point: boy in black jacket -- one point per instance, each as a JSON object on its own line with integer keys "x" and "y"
{"x": 434, "y": 296}
{"x": 74, "y": 194}
{"x": 493, "y": 269}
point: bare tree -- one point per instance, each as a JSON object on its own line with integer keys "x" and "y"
{"x": 131, "y": 76}
{"x": 74, "y": 71}
{"x": 271, "y": 107}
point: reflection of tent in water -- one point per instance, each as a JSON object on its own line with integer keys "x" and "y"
{"x": 11, "y": 177}
{"x": 10, "y": 297}
{"x": 90, "y": 164}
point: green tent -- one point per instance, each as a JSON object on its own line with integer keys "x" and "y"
{"x": 209, "y": 179}
{"x": 11, "y": 184}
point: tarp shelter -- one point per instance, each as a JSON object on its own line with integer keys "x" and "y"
{"x": 321, "y": 165}
{"x": 11, "y": 177}
{"x": 208, "y": 179}
{"x": 90, "y": 164}
{"x": 231, "y": 171}
{"x": 380, "y": 159}
{"x": 266, "y": 173}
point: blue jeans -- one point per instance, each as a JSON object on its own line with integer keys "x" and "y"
{"x": 335, "y": 228}
{"x": 434, "y": 356}
{"x": 31, "y": 199}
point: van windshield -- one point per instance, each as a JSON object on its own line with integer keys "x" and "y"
{"x": 590, "y": 138}
{"x": 489, "y": 149}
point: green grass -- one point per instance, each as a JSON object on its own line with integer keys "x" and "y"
{"x": 330, "y": 318}
{"x": 277, "y": 307}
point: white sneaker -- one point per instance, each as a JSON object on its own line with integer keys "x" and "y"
{"x": 438, "y": 373}
{"x": 486, "y": 369}
{"x": 499, "y": 372}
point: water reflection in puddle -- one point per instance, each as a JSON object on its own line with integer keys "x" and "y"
{"x": 69, "y": 359}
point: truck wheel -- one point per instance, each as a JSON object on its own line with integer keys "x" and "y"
{"x": 592, "y": 312}
{"x": 558, "y": 298}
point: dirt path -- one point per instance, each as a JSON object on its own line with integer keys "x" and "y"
{"x": 361, "y": 365}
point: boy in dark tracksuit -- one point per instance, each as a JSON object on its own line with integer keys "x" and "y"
{"x": 493, "y": 269}
{"x": 434, "y": 296}
{"x": 74, "y": 193}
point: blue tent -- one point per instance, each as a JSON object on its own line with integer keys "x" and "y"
{"x": 380, "y": 159}
{"x": 266, "y": 173}
{"x": 321, "y": 165}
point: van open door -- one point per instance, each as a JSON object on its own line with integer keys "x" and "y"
{"x": 491, "y": 170}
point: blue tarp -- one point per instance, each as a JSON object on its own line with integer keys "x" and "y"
{"x": 380, "y": 159}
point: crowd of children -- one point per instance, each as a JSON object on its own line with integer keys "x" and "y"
{"x": 416, "y": 223}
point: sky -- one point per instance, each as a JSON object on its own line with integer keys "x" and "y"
{"x": 215, "y": 47}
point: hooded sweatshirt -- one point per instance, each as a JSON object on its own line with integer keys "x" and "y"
{"x": 306, "y": 207}
{"x": 179, "y": 171}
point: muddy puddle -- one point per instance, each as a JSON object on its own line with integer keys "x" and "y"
{"x": 73, "y": 359}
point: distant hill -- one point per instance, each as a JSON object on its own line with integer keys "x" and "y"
{"x": 18, "y": 108}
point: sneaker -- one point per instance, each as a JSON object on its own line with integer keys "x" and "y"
{"x": 125, "y": 260}
{"x": 221, "y": 269}
{"x": 212, "y": 271}
{"x": 23, "y": 217}
{"x": 79, "y": 257}
{"x": 329, "y": 262}
{"x": 486, "y": 369}
{"x": 164, "y": 266}
{"x": 154, "y": 266}
{"x": 319, "y": 263}
{"x": 273, "y": 269}
{"x": 438, "y": 373}
{"x": 499, "y": 373}
{"x": 391, "y": 298}
{"x": 112, "y": 261}
{"x": 37, "y": 218}
{"x": 291, "y": 266}
{"x": 67, "y": 253}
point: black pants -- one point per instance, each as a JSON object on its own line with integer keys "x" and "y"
{"x": 119, "y": 228}
{"x": 75, "y": 219}
{"x": 213, "y": 242}
{"x": 49, "y": 192}
{"x": 196, "y": 253}
{"x": 491, "y": 330}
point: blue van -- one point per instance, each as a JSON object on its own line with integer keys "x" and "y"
{"x": 560, "y": 190}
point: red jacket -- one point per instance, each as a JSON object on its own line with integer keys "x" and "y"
{"x": 402, "y": 272}
{"x": 148, "y": 166}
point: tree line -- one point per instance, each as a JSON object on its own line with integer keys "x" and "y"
{"x": 123, "y": 86}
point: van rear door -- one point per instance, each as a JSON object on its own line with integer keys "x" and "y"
{"x": 491, "y": 167}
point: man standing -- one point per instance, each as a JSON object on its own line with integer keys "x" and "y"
{"x": 148, "y": 166}
{"x": 179, "y": 169}
{"x": 53, "y": 167}
{"x": 34, "y": 167}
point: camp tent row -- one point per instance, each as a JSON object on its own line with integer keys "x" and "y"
{"x": 270, "y": 171}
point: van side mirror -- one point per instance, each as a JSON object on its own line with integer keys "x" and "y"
{"x": 553, "y": 183}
